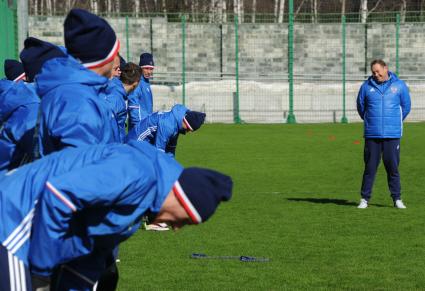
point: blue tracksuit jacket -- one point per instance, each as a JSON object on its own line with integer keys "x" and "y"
{"x": 18, "y": 114}
{"x": 140, "y": 103}
{"x": 74, "y": 107}
{"x": 116, "y": 97}
{"x": 383, "y": 107}
{"x": 160, "y": 129}
{"x": 80, "y": 200}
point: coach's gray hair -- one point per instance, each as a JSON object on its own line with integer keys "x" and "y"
{"x": 379, "y": 62}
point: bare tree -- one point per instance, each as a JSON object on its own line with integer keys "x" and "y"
{"x": 364, "y": 13}
{"x": 194, "y": 9}
{"x": 117, "y": 7}
{"x": 342, "y": 7}
{"x": 35, "y": 7}
{"x": 276, "y": 4}
{"x": 254, "y": 8}
{"x": 403, "y": 9}
{"x": 94, "y": 6}
{"x": 68, "y": 5}
{"x": 281, "y": 10}
{"x": 54, "y": 7}
{"x": 224, "y": 11}
{"x": 136, "y": 8}
{"x": 211, "y": 13}
{"x": 146, "y": 7}
{"x": 48, "y": 7}
{"x": 238, "y": 9}
{"x": 164, "y": 8}
{"x": 109, "y": 7}
{"x": 313, "y": 4}
{"x": 298, "y": 9}
{"x": 42, "y": 11}
{"x": 221, "y": 11}
{"x": 241, "y": 11}
{"x": 422, "y": 8}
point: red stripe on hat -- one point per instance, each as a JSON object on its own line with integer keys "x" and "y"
{"x": 185, "y": 202}
{"x": 20, "y": 77}
{"x": 187, "y": 124}
{"x": 109, "y": 58}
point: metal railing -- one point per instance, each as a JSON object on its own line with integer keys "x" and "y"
{"x": 271, "y": 72}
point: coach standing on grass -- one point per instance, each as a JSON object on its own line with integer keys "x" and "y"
{"x": 383, "y": 103}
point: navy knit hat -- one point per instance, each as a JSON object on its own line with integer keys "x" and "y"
{"x": 14, "y": 70}
{"x": 90, "y": 38}
{"x": 193, "y": 120}
{"x": 146, "y": 61}
{"x": 35, "y": 53}
{"x": 200, "y": 191}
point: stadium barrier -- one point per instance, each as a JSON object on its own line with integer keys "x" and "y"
{"x": 307, "y": 69}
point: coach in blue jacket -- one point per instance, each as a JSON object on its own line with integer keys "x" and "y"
{"x": 383, "y": 103}
{"x": 62, "y": 215}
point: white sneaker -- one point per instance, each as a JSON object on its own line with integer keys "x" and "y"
{"x": 363, "y": 204}
{"x": 399, "y": 204}
{"x": 157, "y": 227}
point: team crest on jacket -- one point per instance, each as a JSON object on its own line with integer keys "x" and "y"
{"x": 394, "y": 90}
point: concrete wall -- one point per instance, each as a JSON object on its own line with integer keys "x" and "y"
{"x": 210, "y": 48}
{"x": 263, "y": 65}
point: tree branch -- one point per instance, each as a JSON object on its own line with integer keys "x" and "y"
{"x": 376, "y": 6}
{"x": 299, "y": 8}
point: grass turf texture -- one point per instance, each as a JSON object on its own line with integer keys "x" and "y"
{"x": 296, "y": 188}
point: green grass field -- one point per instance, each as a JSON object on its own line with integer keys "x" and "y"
{"x": 296, "y": 188}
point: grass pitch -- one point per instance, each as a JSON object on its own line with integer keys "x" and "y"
{"x": 296, "y": 188}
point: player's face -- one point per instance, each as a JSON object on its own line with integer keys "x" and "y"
{"x": 380, "y": 73}
{"x": 116, "y": 71}
{"x": 133, "y": 86}
{"x": 105, "y": 70}
{"x": 172, "y": 213}
{"x": 147, "y": 72}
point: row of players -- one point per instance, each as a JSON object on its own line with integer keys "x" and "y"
{"x": 73, "y": 185}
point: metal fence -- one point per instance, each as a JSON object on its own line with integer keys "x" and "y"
{"x": 307, "y": 69}
{"x": 8, "y": 32}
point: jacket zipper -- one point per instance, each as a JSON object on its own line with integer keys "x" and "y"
{"x": 382, "y": 113}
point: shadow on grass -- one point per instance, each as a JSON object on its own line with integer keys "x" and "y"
{"x": 343, "y": 202}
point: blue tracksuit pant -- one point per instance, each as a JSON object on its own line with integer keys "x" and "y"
{"x": 389, "y": 149}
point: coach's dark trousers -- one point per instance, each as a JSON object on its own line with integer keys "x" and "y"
{"x": 389, "y": 149}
